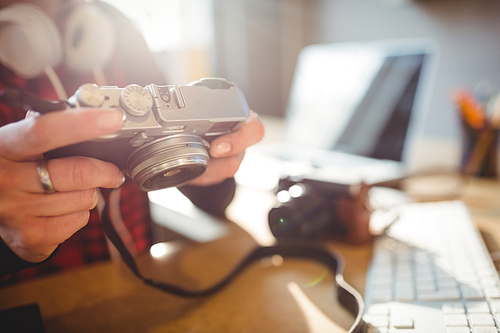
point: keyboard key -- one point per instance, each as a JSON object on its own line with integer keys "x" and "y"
{"x": 447, "y": 284}
{"x": 484, "y": 330}
{"x": 379, "y": 309}
{"x": 457, "y": 330}
{"x": 424, "y": 276}
{"x": 402, "y": 323}
{"x": 492, "y": 292}
{"x": 381, "y": 284}
{"x": 382, "y": 295}
{"x": 441, "y": 295}
{"x": 471, "y": 292}
{"x": 404, "y": 292}
{"x": 481, "y": 319}
{"x": 427, "y": 286}
{"x": 477, "y": 307}
{"x": 456, "y": 320}
{"x": 488, "y": 281}
{"x": 453, "y": 307}
{"x": 495, "y": 306}
{"x": 404, "y": 295}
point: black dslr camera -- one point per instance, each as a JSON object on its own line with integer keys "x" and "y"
{"x": 308, "y": 208}
{"x": 164, "y": 140}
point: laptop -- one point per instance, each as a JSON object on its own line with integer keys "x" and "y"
{"x": 356, "y": 111}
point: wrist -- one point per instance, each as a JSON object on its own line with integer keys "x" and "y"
{"x": 11, "y": 263}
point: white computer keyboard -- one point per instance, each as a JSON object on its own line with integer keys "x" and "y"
{"x": 432, "y": 273}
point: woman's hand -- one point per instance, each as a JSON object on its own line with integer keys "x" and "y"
{"x": 227, "y": 152}
{"x": 32, "y": 222}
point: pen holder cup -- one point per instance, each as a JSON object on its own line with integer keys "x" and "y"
{"x": 480, "y": 156}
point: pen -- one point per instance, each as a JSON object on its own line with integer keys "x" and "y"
{"x": 485, "y": 140}
{"x": 470, "y": 110}
{"x": 495, "y": 113}
{"x": 479, "y": 151}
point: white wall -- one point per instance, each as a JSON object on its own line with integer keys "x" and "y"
{"x": 468, "y": 33}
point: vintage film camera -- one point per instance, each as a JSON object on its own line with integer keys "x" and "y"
{"x": 315, "y": 207}
{"x": 164, "y": 140}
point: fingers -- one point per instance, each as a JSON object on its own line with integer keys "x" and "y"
{"x": 33, "y": 223}
{"x": 251, "y": 132}
{"x": 227, "y": 152}
{"x": 56, "y": 204}
{"x": 81, "y": 173}
{"x": 62, "y": 203}
{"x": 37, "y": 237}
{"x": 67, "y": 174}
{"x": 218, "y": 170}
{"x": 35, "y": 135}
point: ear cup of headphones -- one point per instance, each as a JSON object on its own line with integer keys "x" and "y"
{"x": 29, "y": 40}
{"x": 89, "y": 39}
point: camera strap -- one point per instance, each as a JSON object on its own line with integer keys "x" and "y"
{"x": 16, "y": 98}
{"x": 348, "y": 297}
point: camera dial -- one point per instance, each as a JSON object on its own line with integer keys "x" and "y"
{"x": 136, "y": 100}
{"x": 90, "y": 95}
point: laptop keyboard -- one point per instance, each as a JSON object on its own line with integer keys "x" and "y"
{"x": 432, "y": 273}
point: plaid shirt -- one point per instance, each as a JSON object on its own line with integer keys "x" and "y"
{"x": 88, "y": 244}
{"x": 131, "y": 63}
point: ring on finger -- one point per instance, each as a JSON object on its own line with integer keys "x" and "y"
{"x": 44, "y": 177}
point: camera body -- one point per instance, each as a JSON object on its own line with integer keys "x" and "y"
{"x": 167, "y": 130}
{"x": 318, "y": 208}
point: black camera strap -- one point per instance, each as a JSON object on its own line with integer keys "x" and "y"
{"x": 346, "y": 295}
{"x": 16, "y": 98}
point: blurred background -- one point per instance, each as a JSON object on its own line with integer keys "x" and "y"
{"x": 255, "y": 43}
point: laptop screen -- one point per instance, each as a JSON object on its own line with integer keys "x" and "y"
{"x": 358, "y": 98}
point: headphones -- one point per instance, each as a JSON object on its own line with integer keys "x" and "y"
{"x": 31, "y": 43}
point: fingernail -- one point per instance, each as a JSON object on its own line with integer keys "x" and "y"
{"x": 110, "y": 119}
{"x": 223, "y": 148}
{"x": 121, "y": 180}
{"x": 253, "y": 115}
{"x": 32, "y": 114}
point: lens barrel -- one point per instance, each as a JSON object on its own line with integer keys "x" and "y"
{"x": 168, "y": 161}
{"x": 308, "y": 215}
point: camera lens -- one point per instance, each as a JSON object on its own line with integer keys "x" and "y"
{"x": 308, "y": 215}
{"x": 168, "y": 161}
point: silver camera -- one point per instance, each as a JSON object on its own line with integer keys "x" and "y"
{"x": 167, "y": 130}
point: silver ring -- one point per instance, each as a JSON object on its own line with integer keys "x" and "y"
{"x": 44, "y": 177}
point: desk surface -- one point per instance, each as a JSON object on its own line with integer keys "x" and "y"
{"x": 106, "y": 297}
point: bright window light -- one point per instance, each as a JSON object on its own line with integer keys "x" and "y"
{"x": 283, "y": 196}
{"x": 169, "y": 25}
{"x": 162, "y": 250}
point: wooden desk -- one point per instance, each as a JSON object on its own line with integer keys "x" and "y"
{"x": 106, "y": 297}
